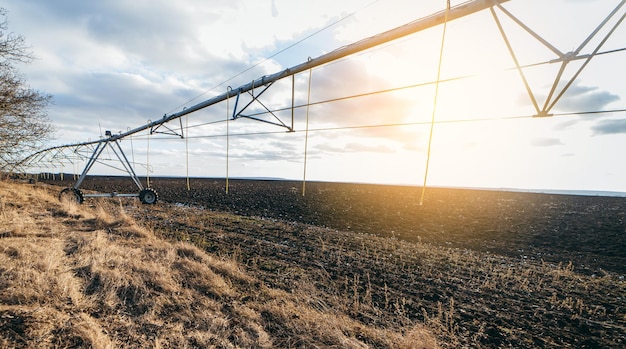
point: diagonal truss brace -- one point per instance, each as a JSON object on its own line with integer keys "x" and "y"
{"x": 168, "y": 130}
{"x": 255, "y": 98}
{"x": 564, "y": 58}
{"x": 114, "y": 145}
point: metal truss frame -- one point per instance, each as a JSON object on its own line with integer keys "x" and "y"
{"x": 563, "y": 58}
{"x": 258, "y": 87}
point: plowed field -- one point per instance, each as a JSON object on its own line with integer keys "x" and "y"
{"x": 490, "y": 268}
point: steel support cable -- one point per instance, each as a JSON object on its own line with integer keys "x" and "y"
{"x": 453, "y": 121}
{"x": 366, "y": 94}
{"x": 103, "y": 163}
{"x": 204, "y": 124}
{"x": 106, "y": 163}
{"x": 121, "y": 157}
{"x": 432, "y": 119}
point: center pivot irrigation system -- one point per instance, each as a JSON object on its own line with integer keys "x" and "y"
{"x": 91, "y": 151}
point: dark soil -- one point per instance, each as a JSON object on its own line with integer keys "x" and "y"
{"x": 589, "y": 231}
{"x": 483, "y": 268}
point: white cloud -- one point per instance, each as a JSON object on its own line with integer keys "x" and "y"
{"x": 546, "y": 142}
{"x": 579, "y": 97}
{"x": 610, "y": 127}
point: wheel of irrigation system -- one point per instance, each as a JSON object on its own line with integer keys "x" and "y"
{"x": 148, "y": 196}
{"x": 71, "y": 194}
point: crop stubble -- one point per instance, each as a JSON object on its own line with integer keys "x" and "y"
{"x": 485, "y": 267}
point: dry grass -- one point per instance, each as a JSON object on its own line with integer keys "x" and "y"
{"x": 466, "y": 298}
{"x": 80, "y": 276}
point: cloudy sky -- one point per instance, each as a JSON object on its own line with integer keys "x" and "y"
{"x": 114, "y": 65}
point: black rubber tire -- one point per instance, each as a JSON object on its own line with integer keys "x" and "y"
{"x": 148, "y": 196}
{"x": 72, "y": 194}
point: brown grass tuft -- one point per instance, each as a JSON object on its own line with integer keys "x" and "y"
{"x": 81, "y": 276}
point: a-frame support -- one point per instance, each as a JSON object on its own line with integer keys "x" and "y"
{"x": 255, "y": 98}
{"x": 564, "y": 58}
{"x": 146, "y": 195}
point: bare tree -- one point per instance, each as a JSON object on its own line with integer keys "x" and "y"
{"x": 24, "y": 123}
